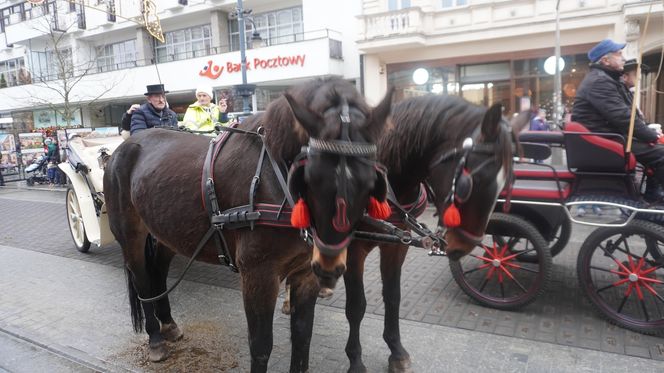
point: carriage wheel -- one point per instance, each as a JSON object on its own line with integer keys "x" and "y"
{"x": 621, "y": 271}
{"x": 492, "y": 273}
{"x": 75, "y": 220}
{"x": 561, "y": 238}
{"x": 556, "y": 245}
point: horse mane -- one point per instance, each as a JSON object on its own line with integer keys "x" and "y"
{"x": 284, "y": 135}
{"x": 422, "y": 125}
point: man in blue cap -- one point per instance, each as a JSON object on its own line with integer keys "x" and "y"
{"x": 155, "y": 112}
{"x": 601, "y": 104}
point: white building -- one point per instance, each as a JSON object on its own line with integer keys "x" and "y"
{"x": 299, "y": 39}
{"x": 494, "y": 50}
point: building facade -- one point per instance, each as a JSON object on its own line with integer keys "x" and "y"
{"x": 99, "y": 54}
{"x": 495, "y": 51}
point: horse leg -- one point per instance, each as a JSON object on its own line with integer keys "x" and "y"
{"x": 286, "y": 308}
{"x": 391, "y": 261}
{"x": 259, "y": 292}
{"x": 169, "y": 329}
{"x": 138, "y": 264}
{"x": 303, "y": 294}
{"x": 356, "y": 305}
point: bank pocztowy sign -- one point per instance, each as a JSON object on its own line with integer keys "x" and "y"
{"x": 214, "y": 71}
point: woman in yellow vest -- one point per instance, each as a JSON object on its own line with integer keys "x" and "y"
{"x": 203, "y": 114}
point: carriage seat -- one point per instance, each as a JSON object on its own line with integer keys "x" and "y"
{"x": 539, "y": 171}
{"x": 592, "y": 152}
{"x": 540, "y": 190}
{"x": 86, "y": 151}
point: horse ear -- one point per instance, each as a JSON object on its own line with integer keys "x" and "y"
{"x": 521, "y": 121}
{"x": 491, "y": 122}
{"x": 307, "y": 119}
{"x": 379, "y": 115}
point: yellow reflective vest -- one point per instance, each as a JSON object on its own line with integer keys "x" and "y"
{"x": 198, "y": 119}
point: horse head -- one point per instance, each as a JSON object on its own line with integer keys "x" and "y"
{"x": 336, "y": 175}
{"x": 480, "y": 171}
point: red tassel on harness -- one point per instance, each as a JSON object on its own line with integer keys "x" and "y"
{"x": 300, "y": 215}
{"x": 379, "y": 210}
{"x": 451, "y": 216}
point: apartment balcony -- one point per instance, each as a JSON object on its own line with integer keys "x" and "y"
{"x": 482, "y": 19}
{"x": 38, "y": 22}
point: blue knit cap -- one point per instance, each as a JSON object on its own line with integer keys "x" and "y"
{"x": 605, "y": 46}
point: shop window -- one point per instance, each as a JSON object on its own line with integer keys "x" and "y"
{"x": 440, "y": 80}
{"x": 184, "y": 44}
{"x": 484, "y": 72}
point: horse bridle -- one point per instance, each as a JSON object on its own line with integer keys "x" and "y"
{"x": 462, "y": 181}
{"x": 344, "y": 148}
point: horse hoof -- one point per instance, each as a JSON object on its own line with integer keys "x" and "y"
{"x": 357, "y": 368}
{"x": 402, "y": 365}
{"x": 286, "y": 308}
{"x": 171, "y": 332}
{"x": 325, "y": 293}
{"x": 158, "y": 352}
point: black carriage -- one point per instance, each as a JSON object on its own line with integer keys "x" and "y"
{"x": 619, "y": 265}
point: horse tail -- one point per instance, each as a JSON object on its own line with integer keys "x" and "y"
{"x": 134, "y": 303}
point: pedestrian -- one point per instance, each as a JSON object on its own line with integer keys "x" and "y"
{"x": 155, "y": 112}
{"x": 538, "y": 123}
{"x": 53, "y": 158}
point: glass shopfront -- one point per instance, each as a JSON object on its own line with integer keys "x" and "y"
{"x": 519, "y": 84}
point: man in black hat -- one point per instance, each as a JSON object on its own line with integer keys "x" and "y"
{"x": 153, "y": 113}
{"x": 603, "y": 105}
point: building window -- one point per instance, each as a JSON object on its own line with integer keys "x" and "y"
{"x": 50, "y": 65}
{"x": 116, "y": 56}
{"x": 183, "y": 44}
{"x": 277, "y": 27}
{"x": 453, "y": 3}
{"x": 398, "y": 4}
{"x": 13, "y": 73}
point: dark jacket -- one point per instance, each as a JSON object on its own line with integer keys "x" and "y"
{"x": 147, "y": 117}
{"x": 601, "y": 104}
{"x": 126, "y": 121}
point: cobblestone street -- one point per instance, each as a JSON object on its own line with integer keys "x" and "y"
{"x": 60, "y": 299}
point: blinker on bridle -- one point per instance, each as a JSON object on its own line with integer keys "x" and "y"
{"x": 344, "y": 148}
{"x": 462, "y": 182}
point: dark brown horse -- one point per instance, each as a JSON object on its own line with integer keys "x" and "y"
{"x": 425, "y": 145}
{"x": 152, "y": 185}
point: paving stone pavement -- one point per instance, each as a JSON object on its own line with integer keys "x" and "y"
{"x": 35, "y": 221}
{"x": 79, "y": 309}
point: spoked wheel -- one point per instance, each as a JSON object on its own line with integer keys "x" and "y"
{"x": 494, "y": 275}
{"x": 621, "y": 271}
{"x": 75, "y": 220}
{"x": 557, "y": 243}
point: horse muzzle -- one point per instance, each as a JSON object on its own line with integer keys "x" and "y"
{"x": 460, "y": 242}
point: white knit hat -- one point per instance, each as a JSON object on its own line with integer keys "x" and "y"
{"x": 204, "y": 89}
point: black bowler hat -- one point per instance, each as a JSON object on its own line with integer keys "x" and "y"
{"x": 155, "y": 89}
{"x": 630, "y": 65}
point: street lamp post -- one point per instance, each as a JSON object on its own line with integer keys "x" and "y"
{"x": 245, "y": 90}
{"x": 557, "y": 82}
